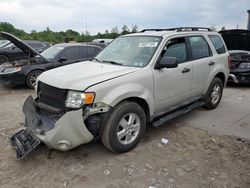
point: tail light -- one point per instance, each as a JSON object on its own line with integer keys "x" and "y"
{"x": 229, "y": 61}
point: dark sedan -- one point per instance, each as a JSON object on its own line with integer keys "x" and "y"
{"x": 26, "y": 71}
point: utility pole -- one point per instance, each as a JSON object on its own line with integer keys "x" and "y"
{"x": 86, "y": 26}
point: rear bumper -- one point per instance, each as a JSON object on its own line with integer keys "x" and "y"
{"x": 64, "y": 133}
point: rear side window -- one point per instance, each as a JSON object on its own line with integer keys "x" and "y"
{"x": 176, "y": 48}
{"x": 218, "y": 44}
{"x": 199, "y": 47}
{"x": 71, "y": 53}
{"x": 91, "y": 51}
{"x": 83, "y": 52}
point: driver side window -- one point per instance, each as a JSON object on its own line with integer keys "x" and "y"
{"x": 176, "y": 48}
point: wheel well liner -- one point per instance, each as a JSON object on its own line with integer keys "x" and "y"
{"x": 221, "y": 76}
{"x": 142, "y": 103}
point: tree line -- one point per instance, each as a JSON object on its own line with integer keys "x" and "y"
{"x": 62, "y": 36}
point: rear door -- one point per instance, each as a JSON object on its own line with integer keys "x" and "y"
{"x": 203, "y": 62}
{"x": 172, "y": 86}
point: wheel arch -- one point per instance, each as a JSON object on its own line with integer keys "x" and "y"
{"x": 142, "y": 102}
{"x": 221, "y": 76}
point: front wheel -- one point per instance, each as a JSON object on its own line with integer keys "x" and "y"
{"x": 214, "y": 94}
{"x": 124, "y": 127}
{"x": 31, "y": 78}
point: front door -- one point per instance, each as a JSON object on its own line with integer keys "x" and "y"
{"x": 172, "y": 86}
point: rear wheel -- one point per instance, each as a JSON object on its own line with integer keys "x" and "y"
{"x": 3, "y": 59}
{"x": 124, "y": 127}
{"x": 31, "y": 78}
{"x": 214, "y": 94}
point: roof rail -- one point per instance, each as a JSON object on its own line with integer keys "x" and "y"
{"x": 179, "y": 29}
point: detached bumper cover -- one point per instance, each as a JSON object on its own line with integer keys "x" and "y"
{"x": 65, "y": 133}
{"x": 240, "y": 76}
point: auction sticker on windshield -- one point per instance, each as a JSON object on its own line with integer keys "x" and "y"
{"x": 148, "y": 44}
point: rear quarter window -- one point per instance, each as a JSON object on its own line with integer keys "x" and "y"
{"x": 218, "y": 44}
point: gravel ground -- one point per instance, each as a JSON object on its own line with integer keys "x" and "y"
{"x": 192, "y": 158}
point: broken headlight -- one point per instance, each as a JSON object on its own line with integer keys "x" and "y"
{"x": 244, "y": 66}
{"x": 75, "y": 99}
{"x": 9, "y": 70}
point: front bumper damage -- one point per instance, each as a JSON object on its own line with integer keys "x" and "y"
{"x": 62, "y": 133}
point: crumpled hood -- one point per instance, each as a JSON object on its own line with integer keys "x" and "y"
{"x": 80, "y": 76}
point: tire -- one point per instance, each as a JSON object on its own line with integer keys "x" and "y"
{"x": 214, "y": 94}
{"x": 3, "y": 58}
{"x": 118, "y": 124}
{"x": 31, "y": 78}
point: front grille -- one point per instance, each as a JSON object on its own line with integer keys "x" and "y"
{"x": 52, "y": 96}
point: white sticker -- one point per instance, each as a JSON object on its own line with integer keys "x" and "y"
{"x": 148, "y": 44}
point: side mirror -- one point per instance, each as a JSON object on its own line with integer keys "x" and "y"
{"x": 167, "y": 62}
{"x": 62, "y": 59}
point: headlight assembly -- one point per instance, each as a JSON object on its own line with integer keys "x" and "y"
{"x": 244, "y": 66}
{"x": 9, "y": 70}
{"x": 76, "y": 99}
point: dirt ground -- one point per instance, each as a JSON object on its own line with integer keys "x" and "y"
{"x": 192, "y": 158}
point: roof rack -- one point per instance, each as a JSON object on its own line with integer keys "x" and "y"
{"x": 179, "y": 29}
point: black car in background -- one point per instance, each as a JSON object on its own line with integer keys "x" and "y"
{"x": 238, "y": 44}
{"x": 22, "y": 72}
{"x": 10, "y": 52}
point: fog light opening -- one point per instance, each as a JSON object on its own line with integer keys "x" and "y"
{"x": 64, "y": 145}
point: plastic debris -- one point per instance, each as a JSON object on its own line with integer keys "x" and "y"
{"x": 106, "y": 172}
{"x": 164, "y": 141}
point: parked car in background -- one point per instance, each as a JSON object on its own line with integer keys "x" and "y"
{"x": 148, "y": 77}
{"x": 21, "y": 72}
{"x": 11, "y": 52}
{"x": 102, "y": 45}
{"x": 103, "y": 40}
{"x": 238, "y": 43}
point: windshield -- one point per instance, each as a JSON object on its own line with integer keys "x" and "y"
{"x": 6, "y": 44}
{"x": 51, "y": 52}
{"x": 135, "y": 51}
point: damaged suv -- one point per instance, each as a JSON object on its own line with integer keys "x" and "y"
{"x": 147, "y": 77}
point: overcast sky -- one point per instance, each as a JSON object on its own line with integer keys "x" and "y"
{"x": 60, "y": 15}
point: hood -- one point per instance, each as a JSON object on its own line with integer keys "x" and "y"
{"x": 80, "y": 76}
{"x": 236, "y": 39}
{"x": 31, "y": 52}
{"x": 20, "y": 44}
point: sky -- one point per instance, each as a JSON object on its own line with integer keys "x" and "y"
{"x": 60, "y": 15}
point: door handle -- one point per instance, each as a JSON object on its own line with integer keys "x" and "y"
{"x": 211, "y": 63}
{"x": 185, "y": 70}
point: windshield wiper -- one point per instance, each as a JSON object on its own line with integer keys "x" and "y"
{"x": 113, "y": 62}
{"x": 97, "y": 60}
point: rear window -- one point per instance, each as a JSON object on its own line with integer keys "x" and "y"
{"x": 218, "y": 44}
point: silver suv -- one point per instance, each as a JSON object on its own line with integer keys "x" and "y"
{"x": 147, "y": 77}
